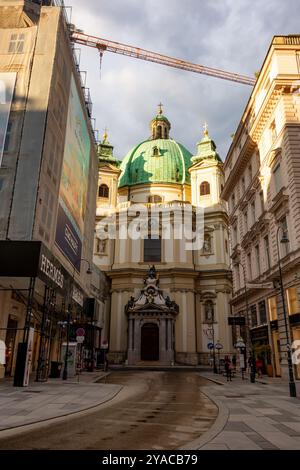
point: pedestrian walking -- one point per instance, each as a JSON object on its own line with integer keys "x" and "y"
{"x": 228, "y": 368}
{"x": 259, "y": 366}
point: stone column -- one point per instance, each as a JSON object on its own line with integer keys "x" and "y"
{"x": 137, "y": 340}
{"x": 162, "y": 341}
{"x": 170, "y": 340}
{"x": 130, "y": 337}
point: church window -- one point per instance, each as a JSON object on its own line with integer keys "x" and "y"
{"x": 209, "y": 311}
{"x": 103, "y": 191}
{"x": 159, "y": 132}
{"x": 152, "y": 250}
{"x": 154, "y": 199}
{"x": 155, "y": 151}
{"x": 204, "y": 188}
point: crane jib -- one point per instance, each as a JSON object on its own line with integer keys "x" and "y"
{"x": 143, "y": 54}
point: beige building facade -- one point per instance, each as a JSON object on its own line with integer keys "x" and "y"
{"x": 167, "y": 302}
{"x": 262, "y": 187}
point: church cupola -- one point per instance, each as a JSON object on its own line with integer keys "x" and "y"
{"x": 160, "y": 125}
{"x": 105, "y": 151}
{"x": 206, "y": 148}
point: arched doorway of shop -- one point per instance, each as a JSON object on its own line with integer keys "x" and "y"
{"x": 150, "y": 342}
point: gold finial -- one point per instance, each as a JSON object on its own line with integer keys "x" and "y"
{"x": 160, "y": 110}
{"x": 105, "y": 135}
{"x": 205, "y": 127}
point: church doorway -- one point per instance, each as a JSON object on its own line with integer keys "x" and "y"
{"x": 149, "y": 342}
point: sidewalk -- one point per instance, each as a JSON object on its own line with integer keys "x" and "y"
{"x": 52, "y": 399}
{"x": 252, "y": 416}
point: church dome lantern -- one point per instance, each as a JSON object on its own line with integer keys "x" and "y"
{"x": 158, "y": 159}
{"x": 160, "y": 125}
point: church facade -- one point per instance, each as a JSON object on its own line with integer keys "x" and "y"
{"x": 162, "y": 239}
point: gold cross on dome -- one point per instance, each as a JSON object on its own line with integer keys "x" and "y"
{"x": 160, "y": 110}
{"x": 105, "y": 135}
{"x": 205, "y": 127}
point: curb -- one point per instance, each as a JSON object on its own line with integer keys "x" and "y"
{"x": 216, "y": 428}
{"x": 9, "y": 432}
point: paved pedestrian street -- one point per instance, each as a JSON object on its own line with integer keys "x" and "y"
{"x": 255, "y": 416}
{"x": 157, "y": 410}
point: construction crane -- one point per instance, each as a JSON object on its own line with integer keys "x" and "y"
{"x": 143, "y": 54}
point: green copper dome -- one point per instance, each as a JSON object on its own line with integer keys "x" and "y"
{"x": 156, "y": 161}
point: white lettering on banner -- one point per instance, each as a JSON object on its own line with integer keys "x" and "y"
{"x": 52, "y": 272}
{"x": 71, "y": 240}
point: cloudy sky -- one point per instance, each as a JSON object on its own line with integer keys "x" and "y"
{"x": 233, "y": 35}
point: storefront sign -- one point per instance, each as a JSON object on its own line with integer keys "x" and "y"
{"x": 236, "y": 321}
{"x": 51, "y": 271}
{"x": 264, "y": 285}
{"x": 77, "y": 296}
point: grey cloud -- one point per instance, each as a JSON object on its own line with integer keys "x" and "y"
{"x": 229, "y": 34}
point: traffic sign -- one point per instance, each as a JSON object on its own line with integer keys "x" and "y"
{"x": 219, "y": 346}
{"x": 80, "y": 332}
{"x": 80, "y": 339}
{"x": 210, "y": 345}
{"x": 240, "y": 344}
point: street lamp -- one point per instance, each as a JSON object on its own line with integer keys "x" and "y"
{"x": 292, "y": 385}
{"x": 249, "y": 342}
{"x": 89, "y": 271}
{"x": 213, "y": 340}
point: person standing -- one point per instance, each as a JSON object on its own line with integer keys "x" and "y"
{"x": 228, "y": 368}
{"x": 259, "y": 366}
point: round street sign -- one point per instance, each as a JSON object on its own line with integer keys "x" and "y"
{"x": 210, "y": 345}
{"x": 80, "y": 339}
{"x": 240, "y": 344}
{"x": 80, "y": 332}
{"x": 219, "y": 346}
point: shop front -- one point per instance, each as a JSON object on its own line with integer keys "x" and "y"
{"x": 35, "y": 293}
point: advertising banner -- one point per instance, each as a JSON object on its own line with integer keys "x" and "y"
{"x": 7, "y": 87}
{"x": 74, "y": 181}
{"x": 28, "y": 357}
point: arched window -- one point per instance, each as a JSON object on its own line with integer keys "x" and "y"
{"x": 204, "y": 188}
{"x": 156, "y": 151}
{"x": 159, "y": 132}
{"x": 209, "y": 311}
{"x": 155, "y": 199}
{"x": 103, "y": 191}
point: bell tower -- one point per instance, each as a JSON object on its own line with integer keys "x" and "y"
{"x": 207, "y": 175}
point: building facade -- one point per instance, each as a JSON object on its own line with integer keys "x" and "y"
{"x": 262, "y": 187}
{"x": 48, "y": 184}
{"x": 168, "y": 301}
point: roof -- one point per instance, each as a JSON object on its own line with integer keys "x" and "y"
{"x": 156, "y": 161}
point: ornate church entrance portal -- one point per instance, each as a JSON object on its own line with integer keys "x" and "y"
{"x": 150, "y": 342}
{"x": 151, "y": 319}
